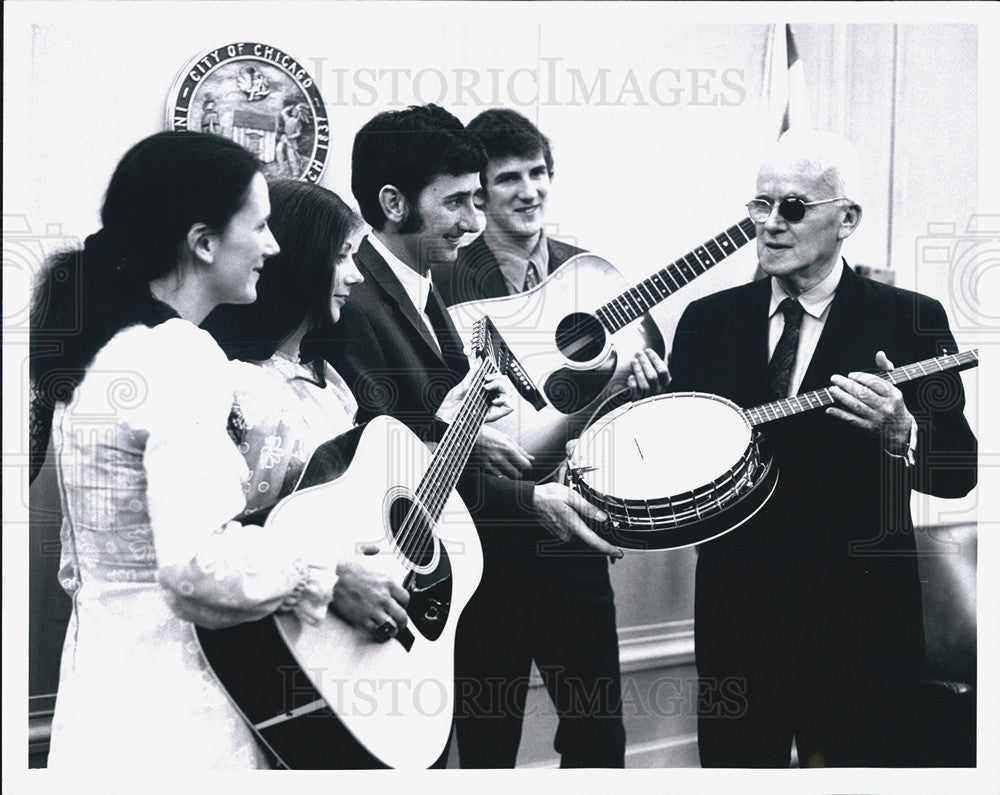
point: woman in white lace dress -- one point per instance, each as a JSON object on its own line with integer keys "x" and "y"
{"x": 141, "y": 406}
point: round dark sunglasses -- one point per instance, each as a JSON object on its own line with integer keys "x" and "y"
{"x": 791, "y": 208}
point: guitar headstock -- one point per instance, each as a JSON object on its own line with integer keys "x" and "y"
{"x": 488, "y": 344}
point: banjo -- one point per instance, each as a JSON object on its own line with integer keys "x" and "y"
{"x": 655, "y": 499}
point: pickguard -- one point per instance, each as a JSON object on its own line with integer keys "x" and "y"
{"x": 570, "y": 390}
{"x": 430, "y": 588}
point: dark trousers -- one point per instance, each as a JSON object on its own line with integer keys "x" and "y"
{"x": 778, "y": 663}
{"x": 750, "y": 720}
{"x": 555, "y": 607}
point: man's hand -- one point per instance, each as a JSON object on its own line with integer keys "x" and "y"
{"x": 497, "y": 454}
{"x": 369, "y": 600}
{"x": 867, "y": 401}
{"x": 561, "y": 511}
{"x": 493, "y": 383}
{"x": 649, "y": 375}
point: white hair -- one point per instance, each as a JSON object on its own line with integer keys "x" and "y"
{"x": 825, "y": 154}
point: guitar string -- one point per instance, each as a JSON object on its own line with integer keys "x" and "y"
{"x": 439, "y": 482}
{"x": 409, "y": 537}
{"x": 434, "y": 488}
{"x": 454, "y": 457}
{"x": 617, "y": 313}
{"x": 467, "y": 422}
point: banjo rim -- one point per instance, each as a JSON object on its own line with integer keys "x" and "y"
{"x": 688, "y": 517}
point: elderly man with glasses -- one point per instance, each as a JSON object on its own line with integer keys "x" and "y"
{"x": 808, "y": 621}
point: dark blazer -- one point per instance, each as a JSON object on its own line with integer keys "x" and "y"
{"x": 827, "y": 570}
{"x": 476, "y": 275}
{"x": 385, "y": 353}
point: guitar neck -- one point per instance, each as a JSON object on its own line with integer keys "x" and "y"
{"x": 638, "y": 300}
{"x": 821, "y": 398}
{"x": 456, "y": 445}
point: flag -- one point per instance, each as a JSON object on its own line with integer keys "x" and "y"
{"x": 785, "y": 101}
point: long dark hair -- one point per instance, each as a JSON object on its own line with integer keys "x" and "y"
{"x": 311, "y": 225}
{"x": 163, "y": 186}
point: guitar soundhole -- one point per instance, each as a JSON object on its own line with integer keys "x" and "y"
{"x": 411, "y": 529}
{"x": 429, "y": 580}
{"x": 580, "y": 337}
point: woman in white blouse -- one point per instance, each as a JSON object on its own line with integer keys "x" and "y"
{"x": 141, "y": 406}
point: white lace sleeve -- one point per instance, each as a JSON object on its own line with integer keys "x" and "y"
{"x": 217, "y": 572}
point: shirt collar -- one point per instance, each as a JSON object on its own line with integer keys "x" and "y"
{"x": 416, "y": 286}
{"x": 816, "y": 299}
{"x": 513, "y": 264}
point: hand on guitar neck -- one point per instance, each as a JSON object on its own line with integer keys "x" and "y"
{"x": 494, "y": 384}
{"x": 873, "y": 404}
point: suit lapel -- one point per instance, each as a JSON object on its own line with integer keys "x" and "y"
{"x": 757, "y": 321}
{"x": 559, "y": 252}
{"x": 380, "y": 272}
{"x": 833, "y": 350}
{"x": 484, "y": 270}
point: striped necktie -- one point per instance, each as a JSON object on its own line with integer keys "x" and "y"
{"x": 779, "y": 369}
{"x": 530, "y": 276}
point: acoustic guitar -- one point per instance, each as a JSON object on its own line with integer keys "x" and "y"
{"x": 314, "y": 693}
{"x": 575, "y": 344}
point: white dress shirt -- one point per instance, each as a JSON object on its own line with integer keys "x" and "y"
{"x": 512, "y": 261}
{"x": 816, "y": 303}
{"x": 417, "y": 287}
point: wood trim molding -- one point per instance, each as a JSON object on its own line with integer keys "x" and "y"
{"x": 649, "y": 647}
{"x": 638, "y": 750}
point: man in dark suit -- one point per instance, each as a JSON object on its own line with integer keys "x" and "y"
{"x": 551, "y": 605}
{"x": 414, "y": 173}
{"x": 808, "y": 617}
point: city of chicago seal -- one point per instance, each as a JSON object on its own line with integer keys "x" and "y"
{"x": 260, "y": 97}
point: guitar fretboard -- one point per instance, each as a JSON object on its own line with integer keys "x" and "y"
{"x": 456, "y": 445}
{"x": 638, "y": 300}
{"x": 821, "y": 398}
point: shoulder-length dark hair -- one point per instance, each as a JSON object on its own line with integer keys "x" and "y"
{"x": 162, "y": 187}
{"x": 311, "y": 225}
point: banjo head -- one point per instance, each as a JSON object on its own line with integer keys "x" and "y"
{"x": 672, "y": 470}
{"x": 663, "y": 445}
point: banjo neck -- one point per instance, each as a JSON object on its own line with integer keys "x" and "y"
{"x": 636, "y": 301}
{"x": 821, "y": 398}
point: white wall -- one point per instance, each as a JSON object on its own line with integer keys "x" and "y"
{"x": 655, "y": 124}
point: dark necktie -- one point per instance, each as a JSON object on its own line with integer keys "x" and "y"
{"x": 447, "y": 337}
{"x": 530, "y": 277}
{"x": 779, "y": 369}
